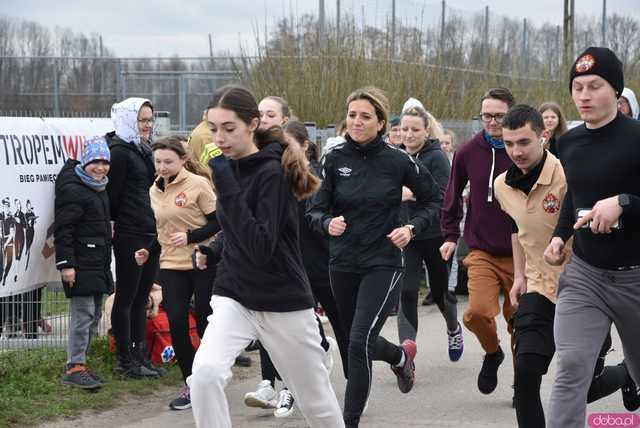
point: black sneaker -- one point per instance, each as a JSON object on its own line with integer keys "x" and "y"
{"x": 182, "y": 401}
{"x": 428, "y": 300}
{"x": 243, "y": 361}
{"x": 132, "y": 369}
{"x": 407, "y": 373}
{"x": 630, "y": 394}
{"x": 77, "y": 376}
{"x": 488, "y": 377}
{"x": 140, "y": 353}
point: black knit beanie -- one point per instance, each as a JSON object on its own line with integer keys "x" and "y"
{"x": 602, "y": 62}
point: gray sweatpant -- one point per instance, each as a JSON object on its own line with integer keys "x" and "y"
{"x": 589, "y": 300}
{"x": 85, "y": 317}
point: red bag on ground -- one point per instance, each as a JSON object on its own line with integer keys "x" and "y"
{"x": 158, "y": 338}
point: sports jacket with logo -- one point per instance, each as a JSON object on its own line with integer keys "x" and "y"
{"x": 363, "y": 183}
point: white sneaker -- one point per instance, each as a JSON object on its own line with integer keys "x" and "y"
{"x": 284, "y": 407}
{"x": 264, "y": 397}
{"x": 328, "y": 356}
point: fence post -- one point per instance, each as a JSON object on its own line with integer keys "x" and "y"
{"x": 182, "y": 102}
{"x": 56, "y": 89}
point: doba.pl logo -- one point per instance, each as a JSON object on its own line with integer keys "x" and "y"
{"x": 614, "y": 420}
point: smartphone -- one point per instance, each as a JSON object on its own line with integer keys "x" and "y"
{"x": 581, "y": 212}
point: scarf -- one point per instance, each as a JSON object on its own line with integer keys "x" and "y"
{"x": 89, "y": 181}
{"x": 495, "y": 142}
{"x": 525, "y": 182}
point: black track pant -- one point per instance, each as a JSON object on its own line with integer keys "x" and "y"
{"x": 133, "y": 283}
{"x": 427, "y": 250}
{"x": 364, "y": 302}
{"x": 178, "y": 286}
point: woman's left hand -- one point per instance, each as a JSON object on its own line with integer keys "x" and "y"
{"x": 179, "y": 239}
{"x": 400, "y": 236}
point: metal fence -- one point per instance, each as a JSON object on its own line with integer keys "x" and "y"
{"x": 36, "y": 319}
{"x": 64, "y": 86}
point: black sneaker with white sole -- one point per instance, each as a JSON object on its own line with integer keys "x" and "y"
{"x": 284, "y": 407}
{"x": 182, "y": 401}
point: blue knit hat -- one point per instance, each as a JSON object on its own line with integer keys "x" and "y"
{"x": 95, "y": 149}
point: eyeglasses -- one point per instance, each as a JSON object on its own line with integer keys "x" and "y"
{"x": 487, "y": 117}
{"x": 147, "y": 121}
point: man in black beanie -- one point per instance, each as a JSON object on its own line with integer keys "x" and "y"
{"x": 601, "y": 211}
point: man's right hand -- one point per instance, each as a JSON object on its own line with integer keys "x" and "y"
{"x": 555, "y": 253}
{"x": 518, "y": 289}
{"x": 447, "y": 249}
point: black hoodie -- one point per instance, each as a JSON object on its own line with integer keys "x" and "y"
{"x": 261, "y": 265}
{"x": 435, "y": 161}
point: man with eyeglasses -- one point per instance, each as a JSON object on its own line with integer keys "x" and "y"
{"x": 487, "y": 230}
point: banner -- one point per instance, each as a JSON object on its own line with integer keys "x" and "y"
{"x": 32, "y": 152}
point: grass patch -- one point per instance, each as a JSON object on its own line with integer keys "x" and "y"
{"x": 31, "y": 391}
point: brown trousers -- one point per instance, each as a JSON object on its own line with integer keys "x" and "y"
{"x": 487, "y": 276}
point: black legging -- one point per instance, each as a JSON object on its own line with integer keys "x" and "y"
{"x": 133, "y": 283}
{"x": 177, "y": 288}
{"x": 324, "y": 296}
{"x": 528, "y": 376}
{"x": 427, "y": 250}
{"x": 364, "y": 302}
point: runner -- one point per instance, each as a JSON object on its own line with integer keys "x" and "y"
{"x": 599, "y": 285}
{"x": 358, "y": 205}
{"x": 415, "y": 131}
{"x": 487, "y": 231}
{"x": 261, "y": 290}
{"x": 530, "y": 192}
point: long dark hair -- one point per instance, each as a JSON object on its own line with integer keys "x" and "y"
{"x": 297, "y": 130}
{"x": 175, "y": 144}
{"x": 244, "y": 105}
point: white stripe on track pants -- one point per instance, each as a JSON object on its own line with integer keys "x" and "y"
{"x": 293, "y": 342}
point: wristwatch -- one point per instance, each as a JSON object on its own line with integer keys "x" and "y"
{"x": 624, "y": 201}
{"x": 412, "y": 230}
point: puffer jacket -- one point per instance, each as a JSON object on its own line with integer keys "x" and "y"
{"x": 82, "y": 234}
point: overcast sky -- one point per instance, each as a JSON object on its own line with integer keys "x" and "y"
{"x": 167, "y": 27}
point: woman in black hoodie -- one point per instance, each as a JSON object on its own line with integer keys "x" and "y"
{"x": 415, "y": 128}
{"x": 261, "y": 289}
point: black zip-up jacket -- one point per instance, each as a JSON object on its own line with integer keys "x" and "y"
{"x": 82, "y": 234}
{"x": 364, "y": 183}
{"x": 130, "y": 177}
{"x": 435, "y": 161}
{"x": 261, "y": 265}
